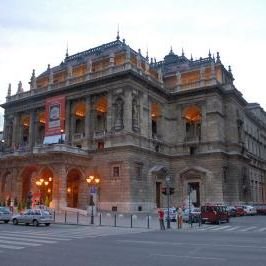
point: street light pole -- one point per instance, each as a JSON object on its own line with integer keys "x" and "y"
{"x": 92, "y": 180}
{"x": 189, "y": 204}
{"x": 167, "y": 179}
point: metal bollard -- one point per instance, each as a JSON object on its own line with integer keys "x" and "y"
{"x": 148, "y": 221}
{"x": 65, "y": 216}
{"x": 131, "y": 221}
{"x": 54, "y": 215}
{"x": 115, "y": 220}
{"x": 77, "y": 217}
{"x": 100, "y": 219}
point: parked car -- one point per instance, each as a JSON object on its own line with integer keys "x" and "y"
{"x": 33, "y": 216}
{"x": 249, "y": 210}
{"x": 261, "y": 209}
{"x": 240, "y": 211}
{"x": 5, "y": 214}
{"x": 231, "y": 211}
{"x": 172, "y": 214}
{"x": 195, "y": 215}
{"x": 214, "y": 214}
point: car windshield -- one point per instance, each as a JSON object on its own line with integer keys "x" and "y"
{"x": 4, "y": 210}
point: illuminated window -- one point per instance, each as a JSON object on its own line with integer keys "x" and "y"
{"x": 192, "y": 116}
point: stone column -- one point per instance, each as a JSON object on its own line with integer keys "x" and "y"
{"x": 15, "y": 130}
{"x": 128, "y": 111}
{"x": 67, "y": 120}
{"x": 31, "y": 129}
{"x": 87, "y": 117}
{"x": 59, "y": 187}
{"x": 109, "y": 112}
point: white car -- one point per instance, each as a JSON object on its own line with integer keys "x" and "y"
{"x": 249, "y": 210}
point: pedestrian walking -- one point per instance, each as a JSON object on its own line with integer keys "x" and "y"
{"x": 179, "y": 217}
{"x": 161, "y": 219}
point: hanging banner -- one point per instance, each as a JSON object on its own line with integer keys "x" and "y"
{"x": 54, "y": 119}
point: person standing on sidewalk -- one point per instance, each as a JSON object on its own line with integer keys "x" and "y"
{"x": 179, "y": 217}
{"x": 161, "y": 219}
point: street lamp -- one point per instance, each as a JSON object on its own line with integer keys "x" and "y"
{"x": 91, "y": 180}
{"x": 167, "y": 181}
{"x": 61, "y": 139}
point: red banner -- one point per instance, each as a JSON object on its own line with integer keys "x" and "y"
{"x": 54, "y": 115}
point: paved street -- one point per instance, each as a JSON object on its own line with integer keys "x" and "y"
{"x": 241, "y": 242}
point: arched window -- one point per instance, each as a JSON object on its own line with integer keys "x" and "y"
{"x": 192, "y": 116}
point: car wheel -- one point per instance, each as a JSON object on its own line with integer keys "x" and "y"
{"x": 15, "y": 221}
{"x": 35, "y": 223}
{"x": 227, "y": 220}
{"x": 27, "y": 224}
{"x": 47, "y": 224}
{"x": 6, "y": 221}
{"x": 218, "y": 221}
{"x": 203, "y": 221}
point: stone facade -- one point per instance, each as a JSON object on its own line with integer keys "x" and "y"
{"x": 131, "y": 122}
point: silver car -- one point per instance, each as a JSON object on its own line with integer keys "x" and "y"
{"x": 5, "y": 214}
{"x": 33, "y": 216}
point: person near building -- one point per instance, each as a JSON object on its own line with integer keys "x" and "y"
{"x": 179, "y": 217}
{"x": 161, "y": 219}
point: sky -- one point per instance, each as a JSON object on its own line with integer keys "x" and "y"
{"x": 35, "y": 33}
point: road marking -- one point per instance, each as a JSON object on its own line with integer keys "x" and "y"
{"x": 220, "y": 228}
{"x": 262, "y": 229}
{"x": 20, "y": 243}
{"x": 10, "y": 247}
{"x": 248, "y": 229}
{"x": 39, "y": 236}
{"x": 188, "y": 257}
{"x": 207, "y": 228}
{"x": 28, "y": 239}
{"x": 232, "y": 228}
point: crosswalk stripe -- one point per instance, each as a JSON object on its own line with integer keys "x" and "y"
{"x": 248, "y": 229}
{"x": 10, "y": 247}
{"x": 232, "y": 228}
{"x": 207, "y": 228}
{"x": 262, "y": 229}
{"x": 20, "y": 243}
{"x": 220, "y": 228}
{"x": 37, "y": 236}
{"x": 28, "y": 239}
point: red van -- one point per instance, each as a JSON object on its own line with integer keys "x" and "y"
{"x": 214, "y": 214}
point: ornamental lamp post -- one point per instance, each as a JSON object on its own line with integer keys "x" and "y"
{"x": 91, "y": 180}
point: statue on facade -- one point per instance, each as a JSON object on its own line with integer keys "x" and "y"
{"x": 135, "y": 116}
{"x": 119, "y": 114}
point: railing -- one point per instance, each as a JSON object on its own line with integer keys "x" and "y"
{"x": 114, "y": 219}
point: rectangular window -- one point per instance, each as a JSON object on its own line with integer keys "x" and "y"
{"x": 138, "y": 170}
{"x": 116, "y": 171}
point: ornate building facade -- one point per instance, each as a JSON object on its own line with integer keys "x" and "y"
{"x": 131, "y": 121}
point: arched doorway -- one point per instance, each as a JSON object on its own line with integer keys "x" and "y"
{"x": 26, "y": 177}
{"x": 73, "y": 187}
{"x": 193, "y": 184}
{"x": 43, "y": 187}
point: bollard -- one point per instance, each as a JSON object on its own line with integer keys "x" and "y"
{"x": 131, "y": 221}
{"x": 148, "y": 221}
{"x": 100, "y": 219}
{"x": 54, "y": 216}
{"x": 115, "y": 220}
{"x": 77, "y": 217}
{"x": 65, "y": 216}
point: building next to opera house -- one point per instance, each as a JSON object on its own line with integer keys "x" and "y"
{"x": 128, "y": 121}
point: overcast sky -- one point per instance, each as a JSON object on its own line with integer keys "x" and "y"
{"x": 35, "y": 33}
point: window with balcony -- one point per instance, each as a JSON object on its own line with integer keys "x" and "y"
{"x": 155, "y": 117}
{"x": 192, "y": 116}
